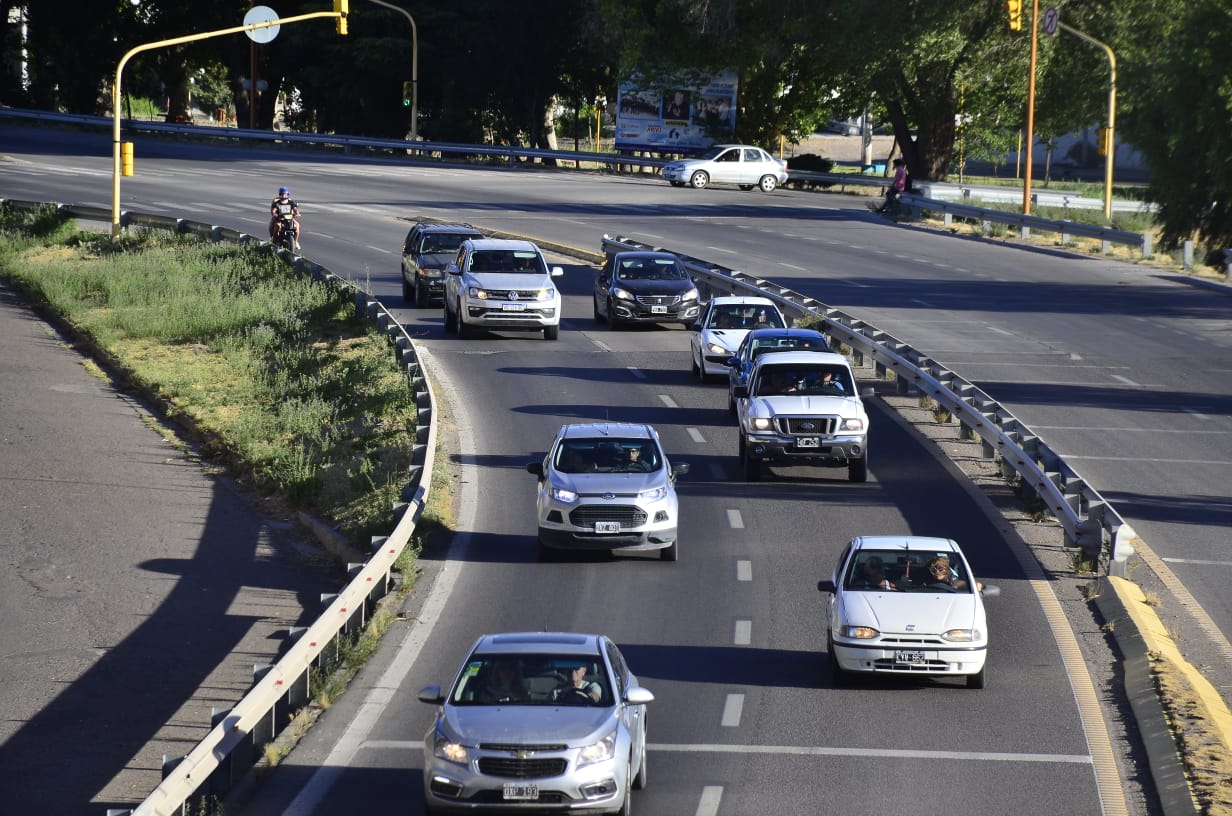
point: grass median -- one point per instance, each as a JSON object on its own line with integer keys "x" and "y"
{"x": 282, "y": 383}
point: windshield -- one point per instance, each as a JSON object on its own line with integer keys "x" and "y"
{"x": 806, "y": 379}
{"x": 762, "y": 345}
{"x": 440, "y": 242}
{"x": 530, "y": 680}
{"x": 607, "y": 455}
{"x": 516, "y": 261}
{"x": 744, "y": 316}
{"x": 907, "y": 572}
{"x": 651, "y": 269}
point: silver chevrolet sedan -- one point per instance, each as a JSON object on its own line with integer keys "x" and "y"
{"x": 537, "y": 721}
{"x": 607, "y": 486}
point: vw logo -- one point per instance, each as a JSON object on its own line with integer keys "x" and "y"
{"x": 513, "y": 295}
{"x": 808, "y": 426}
{"x": 608, "y": 496}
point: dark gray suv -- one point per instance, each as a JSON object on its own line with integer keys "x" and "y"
{"x": 427, "y": 250}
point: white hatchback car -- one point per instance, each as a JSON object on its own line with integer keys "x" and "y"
{"x": 906, "y": 605}
{"x": 722, "y": 326}
{"x": 502, "y": 284}
{"x": 744, "y": 165}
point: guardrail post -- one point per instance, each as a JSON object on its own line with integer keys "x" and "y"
{"x": 1122, "y": 548}
{"x": 1187, "y": 255}
{"x": 1148, "y": 248}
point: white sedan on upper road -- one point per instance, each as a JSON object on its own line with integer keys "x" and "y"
{"x": 745, "y": 165}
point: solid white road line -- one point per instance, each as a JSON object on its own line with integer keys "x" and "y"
{"x": 732, "y": 710}
{"x": 885, "y": 753}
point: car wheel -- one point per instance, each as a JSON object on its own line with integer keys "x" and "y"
{"x": 464, "y": 330}
{"x": 750, "y": 466}
{"x": 598, "y": 316}
{"x": 451, "y": 322}
{"x": 700, "y": 368}
{"x": 731, "y": 403}
{"x": 639, "y": 781}
{"x": 551, "y": 332}
{"x": 767, "y": 183}
{"x": 692, "y": 364}
{"x": 837, "y": 676}
{"x": 408, "y": 294}
{"x": 699, "y": 179}
{"x": 977, "y": 680}
{"x": 671, "y": 553}
{"x": 747, "y": 187}
{"x": 626, "y": 805}
{"x": 422, "y": 299}
{"x": 857, "y": 470}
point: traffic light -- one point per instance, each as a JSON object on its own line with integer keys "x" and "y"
{"x": 1015, "y": 9}
{"x": 408, "y": 90}
{"x": 342, "y": 9}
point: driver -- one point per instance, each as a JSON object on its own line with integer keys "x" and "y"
{"x": 577, "y": 689}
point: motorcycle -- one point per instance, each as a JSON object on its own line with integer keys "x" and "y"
{"x": 287, "y": 236}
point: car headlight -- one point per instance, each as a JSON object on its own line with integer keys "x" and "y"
{"x": 429, "y": 273}
{"x": 598, "y": 752}
{"x": 851, "y": 425}
{"x": 715, "y": 348}
{"x": 858, "y": 632}
{"x": 621, "y": 294}
{"x": 563, "y": 495}
{"x": 961, "y": 635}
{"x": 760, "y": 423}
{"x": 544, "y": 294}
{"x": 477, "y": 293}
{"x": 654, "y": 494}
{"x": 690, "y": 295}
{"x": 448, "y": 750}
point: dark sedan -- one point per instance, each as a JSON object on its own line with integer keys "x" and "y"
{"x": 644, "y": 287}
{"x": 762, "y": 341}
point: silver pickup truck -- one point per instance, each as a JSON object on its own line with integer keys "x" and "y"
{"x": 802, "y": 408}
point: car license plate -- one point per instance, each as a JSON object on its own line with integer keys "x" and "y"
{"x": 658, "y": 310}
{"x": 607, "y": 526}
{"x": 521, "y": 792}
{"x": 911, "y": 658}
{"x": 808, "y": 442}
{"x": 513, "y": 307}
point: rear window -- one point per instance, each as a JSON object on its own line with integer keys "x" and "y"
{"x": 441, "y": 242}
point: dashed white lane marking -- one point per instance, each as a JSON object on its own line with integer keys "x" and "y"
{"x": 1074, "y": 356}
{"x": 1126, "y": 380}
{"x": 379, "y": 249}
{"x": 602, "y": 346}
{"x": 708, "y": 805}
{"x": 744, "y": 570}
{"x": 668, "y": 401}
{"x": 696, "y": 435}
{"x": 999, "y": 331}
{"x": 637, "y": 372}
{"x": 923, "y": 303}
{"x": 1194, "y": 413}
{"x": 735, "y": 520}
{"x": 885, "y": 753}
{"x": 744, "y": 633}
{"x": 1198, "y": 562}
{"x": 722, "y": 249}
{"x": 793, "y": 266}
{"x": 733, "y": 707}
{"x": 651, "y": 235}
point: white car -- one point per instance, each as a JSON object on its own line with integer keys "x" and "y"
{"x": 745, "y": 165}
{"x": 502, "y": 284}
{"x": 906, "y": 605}
{"x": 724, "y": 323}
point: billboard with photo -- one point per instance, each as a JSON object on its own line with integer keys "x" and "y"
{"x": 676, "y": 117}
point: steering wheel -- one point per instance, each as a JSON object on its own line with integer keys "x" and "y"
{"x": 939, "y": 585}
{"x": 576, "y": 696}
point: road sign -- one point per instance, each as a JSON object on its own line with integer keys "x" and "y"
{"x": 1052, "y": 17}
{"x": 261, "y": 14}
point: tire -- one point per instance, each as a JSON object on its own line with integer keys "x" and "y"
{"x": 837, "y": 676}
{"x": 451, "y": 321}
{"x": 551, "y": 332}
{"x": 731, "y": 403}
{"x": 626, "y": 805}
{"x": 699, "y": 179}
{"x": 751, "y": 467}
{"x": 700, "y": 369}
{"x": 639, "y": 781}
{"x": 747, "y": 187}
{"x": 857, "y": 470}
{"x": 977, "y": 680}
{"x": 422, "y": 299}
{"x": 598, "y": 317}
{"x": 671, "y": 553}
{"x": 768, "y": 183}
{"x": 408, "y": 294}
{"x": 465, "y": 332}
{"x": 692, "y": 364}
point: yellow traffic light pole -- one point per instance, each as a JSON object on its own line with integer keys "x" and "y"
{"x": 115, "y": 93}
{"x": 1026, "y": 187}
{"x": 1110, "y": 139}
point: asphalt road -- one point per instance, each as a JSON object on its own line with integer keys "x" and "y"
{"x": 1020, "y": 741}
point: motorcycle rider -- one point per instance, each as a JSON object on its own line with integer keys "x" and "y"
{"x": 284, "y": 203}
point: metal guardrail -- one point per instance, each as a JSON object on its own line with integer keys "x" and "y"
{"x": 1088, "y": 520}
{"x": 235, "y": 741}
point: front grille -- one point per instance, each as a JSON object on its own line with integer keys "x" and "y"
{"x": 529, "y": 768}
{"x": 822, "y": 426}
{"x": 514, "y": 294}
{"x": 658, "y": 300}
{"x": 627, "y": 514}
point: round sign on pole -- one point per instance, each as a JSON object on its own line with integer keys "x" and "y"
{"x": 1051, "y": 17}
{"x": 261, "y": 14}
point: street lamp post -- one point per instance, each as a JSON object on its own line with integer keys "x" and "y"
{"x": 1110, "y": 152}
{"x": 414, "y": 67}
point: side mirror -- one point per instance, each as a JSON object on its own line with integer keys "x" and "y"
{"x": 732, "y": 362}
{"x": 826, "y": 586}
{"x": 638, "y": 696}
{"x": 695, "y": 326}
{"x": 452, "y": 269}
{"x": 867, "y": 393}
{"x": 990, "y": 591}
{"x": 680, "y": 468}
{"x": 535, "y": 468}
{"x": 557, "y": 271}
{"x": 431, "y": 695}
{"x": 740, "y": 392}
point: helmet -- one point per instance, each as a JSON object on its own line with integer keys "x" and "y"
{"x": 283, "y": 191}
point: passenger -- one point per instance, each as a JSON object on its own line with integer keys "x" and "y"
{"x": 504, "y": 685}
{"x": 831, "y": 384}
{"x": 940, "y": 575}
{"x": 635, "y": 461}
{"x": 577, "y": 690}
{"x": 874, "y": 576}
